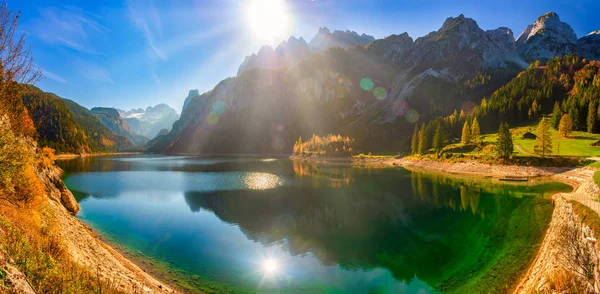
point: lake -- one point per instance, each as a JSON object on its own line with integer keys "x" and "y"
{"x": 274, "y": 225}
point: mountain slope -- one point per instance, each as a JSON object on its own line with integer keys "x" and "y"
{"x": 68, "y": 127}
{"x": 111, "y": 119}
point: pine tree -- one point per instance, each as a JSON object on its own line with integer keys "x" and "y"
{"x": 414, "y": 143}
{"x": 566, "y": 125}
{"x": 423, "y": 147}
{"x": 475, "y": 131}
{"x": 556, "y": 115}
{"x": 592, "y": 117}
{"x": 466, "y": 133}
{"x": 504, "y": 143}
{"x": 543, "y": 144}
{"x": 438, "y": 138}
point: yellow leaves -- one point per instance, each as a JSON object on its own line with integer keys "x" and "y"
{"x": 330, "y": 145}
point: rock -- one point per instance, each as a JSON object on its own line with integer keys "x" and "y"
{"x": 546, "y": 38}
{"x": 343, "y": 39}
{"x": 149, "y": 122}
{"x": 56, "y": 189}
{"x": 589, "y": 46}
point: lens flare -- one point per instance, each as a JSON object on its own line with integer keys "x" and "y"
{"x": 380, "y": 93}
{"x": 212, "y": 118}
{"x": 412, "y": 116}
{"x": 219, "y": 107}
{"x": 366, "y": 84}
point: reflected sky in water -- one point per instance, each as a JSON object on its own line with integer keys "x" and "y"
{"x": 328, "y": 228}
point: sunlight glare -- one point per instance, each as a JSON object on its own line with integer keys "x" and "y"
{"x": 270, "y": 266}
{"x": 268, "y": 19}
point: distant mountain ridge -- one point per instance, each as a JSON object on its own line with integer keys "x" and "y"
{"x": 151, "y": 121}
{"x": 110, "y": 118}
{"x": 374, "y": 92}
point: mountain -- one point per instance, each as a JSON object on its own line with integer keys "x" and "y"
{"x": 589, "y": 45}
{"x": 546, "y": 38}
{"x": 149, "y": 122}
{"x": 191, "y": 95}
{"x": 293, "y": 50}
{"x": 286, "y": 54}
{"x": 344, "y": 39}
{"x": 374, "y": 93}
{"x": 68, "y": 127}
{"x": 110, "y": 118}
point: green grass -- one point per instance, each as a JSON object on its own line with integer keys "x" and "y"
{"x": 587, "y": 215}
{"x": 597, "y": 176}
{"x": 577, "y": 144}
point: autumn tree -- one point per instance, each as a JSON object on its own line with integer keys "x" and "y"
{"x": 475, "y": 131}
{"x": 16, "y": 68}
{"x": 466, "y": 133}
{"x": 504, "y": 143}
{"x": 543, "y": 144}
{"x": 414, "y": 143}
{"x": 565, "y": 126}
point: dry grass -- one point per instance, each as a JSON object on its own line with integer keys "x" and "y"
{"x": 30, "y": 243}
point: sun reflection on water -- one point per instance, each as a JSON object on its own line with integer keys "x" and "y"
{"x": 262, "y": 181}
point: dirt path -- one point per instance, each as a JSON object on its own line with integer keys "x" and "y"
{"x": 520, "y": 149}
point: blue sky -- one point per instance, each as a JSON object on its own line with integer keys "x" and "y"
{"x": 131, "y": 54}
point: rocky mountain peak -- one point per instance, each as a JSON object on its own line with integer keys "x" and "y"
{"x": 546, "y": 38}
{"x": 504, "y": 37}
{"x": 589, "y": 45}
{"x": 344, "y": 39}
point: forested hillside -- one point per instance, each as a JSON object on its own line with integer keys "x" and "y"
{"x": 68, "y": 127}
{"x": 564, "y": 85}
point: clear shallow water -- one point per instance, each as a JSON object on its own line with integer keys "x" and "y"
{"x": 273, "y": 225}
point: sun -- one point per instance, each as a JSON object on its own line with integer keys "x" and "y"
{"x": 268, "y": 19}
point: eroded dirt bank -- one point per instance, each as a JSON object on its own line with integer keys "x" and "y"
{"x": 85, "y": 247}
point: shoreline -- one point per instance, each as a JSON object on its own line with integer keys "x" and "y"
{"x": 67, "y": 156}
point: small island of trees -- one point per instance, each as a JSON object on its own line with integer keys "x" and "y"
{"x": 330, "y": 146}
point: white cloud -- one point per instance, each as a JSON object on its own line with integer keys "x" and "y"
{"x": 52, "y": 76}
{"x": 69, "y": 27}
{"x": 93, "y": 71}
{"x": 147, "y": 20}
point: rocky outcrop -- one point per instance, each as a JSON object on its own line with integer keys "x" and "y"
{"x": 504, "y": 37}
{"x": 589, "y": 45}
{"x": 56, "y": 189}
{"x": 546, "y": 38}
{"x": 191, "y": 95}
{"x": 393, "y": 48}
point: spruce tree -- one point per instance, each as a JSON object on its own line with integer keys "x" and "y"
{"x": 438, "y": 138}
{"x": 565, "y": 127}
{"x": 543, "y": 144}
{"x": 504, "y": 143}
{"x": 466, "y": 133}
{"x": 414, "y": 143}
{"x": 475, "y": 131}
{"x": 592, "y": 117}
{"x": 423, "y": 147}
{"x": 556, "y": 115}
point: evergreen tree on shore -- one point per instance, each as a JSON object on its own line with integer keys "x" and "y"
{"x": 475, "y": 131}
{"x": 438, "y": 138}
{"x": 592, "y": 117}
{"x": 504, "y": 143}
{"x": 556, "y": 115}
{"x": 423, "y": 147}
{"x": 466, "y": 133}
{"x": 543, "y": 144}
{"x": 414, "y": 143}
